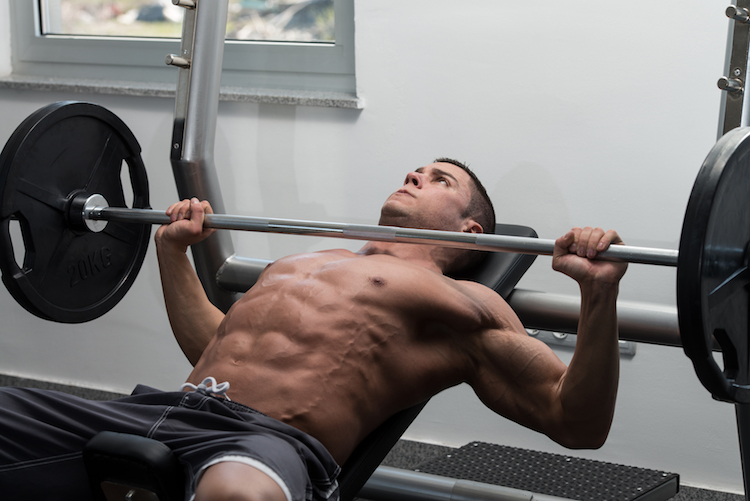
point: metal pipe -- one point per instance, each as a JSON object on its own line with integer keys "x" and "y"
{"x": 742, "y": 412}
{"x": 392, "y": 484}
{"x": 641, "y": 322}
{"x": 192, "y": 148}
{"x": 238, "y": 273}
{"x": 734, "y": 110}
{"x": 471, "y": 241}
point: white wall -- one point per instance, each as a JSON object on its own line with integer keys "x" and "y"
{"x": 573, "y": 113}
{"x": 5, "y": 67}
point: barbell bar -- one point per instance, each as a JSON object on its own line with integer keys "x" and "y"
{"x": 96, "y": 209}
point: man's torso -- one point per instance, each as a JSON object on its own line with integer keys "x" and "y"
{"x": 334, "y": 342}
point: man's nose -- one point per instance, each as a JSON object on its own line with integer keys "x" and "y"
{"x": 415, "y": 178}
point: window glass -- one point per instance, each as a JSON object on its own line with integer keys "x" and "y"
{"x": 259, "y": 20}
{"x": 288, "y": 44}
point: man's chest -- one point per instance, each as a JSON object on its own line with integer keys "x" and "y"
{"x": 377, "y": 281}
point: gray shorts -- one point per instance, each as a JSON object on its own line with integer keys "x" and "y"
{"x": 42, "y": 434}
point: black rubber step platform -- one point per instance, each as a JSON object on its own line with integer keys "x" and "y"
{"x": 557, "y": 475}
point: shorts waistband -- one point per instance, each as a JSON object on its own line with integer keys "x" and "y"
{"x": 236, "y": 406}
{"x": 211, "y": 388}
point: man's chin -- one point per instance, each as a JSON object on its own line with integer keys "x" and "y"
{"x": 391, "y": 214}
{"x": 394, "y": 220}
{"x": 401, "y": 222}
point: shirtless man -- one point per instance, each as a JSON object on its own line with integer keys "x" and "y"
{"x": 334, "y": 342}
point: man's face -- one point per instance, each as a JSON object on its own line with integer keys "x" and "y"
{"x": 432, "y": 197}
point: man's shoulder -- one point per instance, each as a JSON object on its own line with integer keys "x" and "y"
{"x": 496, "y": 307}
{"x": 477, "y": 288}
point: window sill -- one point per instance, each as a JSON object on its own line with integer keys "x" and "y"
{"x": 264, "y": 96}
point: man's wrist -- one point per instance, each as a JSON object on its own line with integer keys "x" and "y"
{"x": 596, "y": 289}
{"x": 167, "y": 246}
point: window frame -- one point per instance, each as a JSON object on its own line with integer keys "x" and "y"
{"x": 315, "y": 66}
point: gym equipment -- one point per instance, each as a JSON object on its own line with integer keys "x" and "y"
{"x": 68, "y": 274}
{"x": 733, "y": 109}
{"x": 194, "y": 130}
{"x": 131, "y": 467}
{"x": 497, "y": 472}
{"x": 72, "y": 230}
{"x": 712, "y": 273}
{"x": 95, "y": 210}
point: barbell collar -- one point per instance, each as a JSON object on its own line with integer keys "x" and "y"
{"x": 469, "y": 241}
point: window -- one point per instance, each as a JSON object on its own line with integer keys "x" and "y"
{"x": 256, "y": 20}
{"x": 312, "y": 51}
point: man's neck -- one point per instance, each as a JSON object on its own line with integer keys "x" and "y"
{"x": 427, "y": 256}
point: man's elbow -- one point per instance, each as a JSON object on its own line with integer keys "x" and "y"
{"x": 584, "y": 443}
{"x": 583, "y": 438}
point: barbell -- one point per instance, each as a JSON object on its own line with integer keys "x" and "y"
{"x": 94, "y": 212}
{"x": 60, "y": 180}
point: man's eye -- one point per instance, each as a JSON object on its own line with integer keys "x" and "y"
{"x": 443, "y": 180}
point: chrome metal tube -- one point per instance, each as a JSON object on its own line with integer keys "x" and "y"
{"x": 238, "y": 274}
{"x": 641, "y": 322}
{"x": 392, "y": 484}
{"x": 192, "y": 149}
{"x": 472, "y": 241}
{"x": 734, "y": 110}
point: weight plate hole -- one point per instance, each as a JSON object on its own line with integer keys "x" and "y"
{"x": 729, "y": 354}
{"x": 23, "y": 248}
{"x": 127, "y": 187}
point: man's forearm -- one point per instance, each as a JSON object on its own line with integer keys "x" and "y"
{"x": 194, "y": 319}
{"x": 589, "y": 389}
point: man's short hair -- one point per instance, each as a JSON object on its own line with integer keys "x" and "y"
{"x": 480, "y": 209}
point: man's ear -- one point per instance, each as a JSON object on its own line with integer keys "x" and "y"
{"x": 472, "y": 226}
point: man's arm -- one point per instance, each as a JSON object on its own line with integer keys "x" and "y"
{"x": 194, "y": 319}
{"x": 523, "y": 379}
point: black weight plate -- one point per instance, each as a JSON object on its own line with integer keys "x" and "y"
{"x": 68, "y": 275}
{"x": 712, "y": 277}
